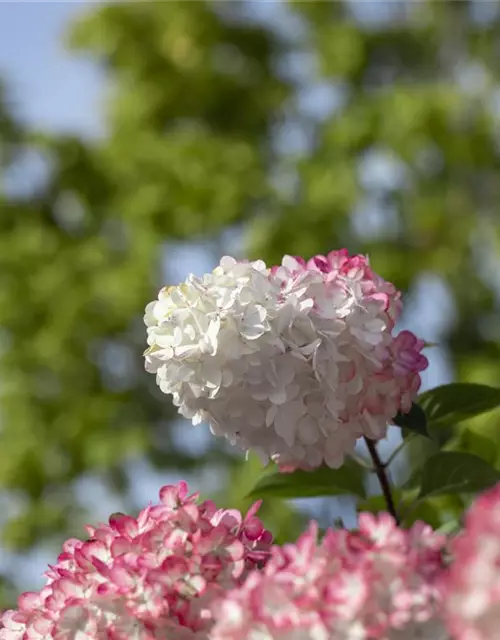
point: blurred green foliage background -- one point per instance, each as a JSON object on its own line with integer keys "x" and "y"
{"x": 281, "y": 127}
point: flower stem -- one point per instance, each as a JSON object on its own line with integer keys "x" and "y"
{"x": 382, "y": 478}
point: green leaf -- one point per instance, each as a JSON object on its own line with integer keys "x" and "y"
{"x": 349, "y": 479}
{"x": 416, "y": 451}
{"x": 405, "y": 503}
{"x": 456, "y": 472}
{"x": 453, "y": 403}
{"x": 452, "y": 526}
{"x": 415, "y": 420}
{"x": 423, "y": 511}
{"x": 473, "y": 442}
{"x": 376, "y": 504}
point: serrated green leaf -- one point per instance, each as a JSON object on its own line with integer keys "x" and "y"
{"x": 452, "y": 403}
{"x": 415, "y": 421}
{"x": 456, "y": 472}
{"x": 349, "y": 479}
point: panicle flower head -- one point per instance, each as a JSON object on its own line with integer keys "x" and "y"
{"x": 295, "y": 362}
{"x": 379, "y": 582}
{"x": 472, "y": 585}
{"x": 154, "y": 576}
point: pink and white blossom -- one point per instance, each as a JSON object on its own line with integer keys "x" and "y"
{"x": 188, "y": 571}
{"x": 151, "y": 577}
{"x": 472, "y": 585}
{"x": 295, "y": 362}
{"x": 377, "y": 583}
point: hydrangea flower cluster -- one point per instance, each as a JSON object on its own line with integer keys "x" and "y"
{"x": 379, "y": 582}
{"x": 154, "y": 576}
{"x": 473, "y": 583}
{"x": 295, "y": 362}
{"x": 187, "y": 571}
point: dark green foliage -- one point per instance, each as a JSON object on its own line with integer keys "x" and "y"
{"x": 349, "y": 479}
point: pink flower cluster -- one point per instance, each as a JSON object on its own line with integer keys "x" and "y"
{"x": 373, "y": 374}
{"x": 376, "y": 582}
{"x": 187, "y": 571}
{"x": 403, "y": 360}
{"x": 156, "y": 576}
{"x": 473, "y": 582}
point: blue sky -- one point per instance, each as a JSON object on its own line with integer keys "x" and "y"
{"x": 50, "y": 87}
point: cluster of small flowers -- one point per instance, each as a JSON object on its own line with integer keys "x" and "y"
{"x": 472, "y": 584}
{"x": 377, "y": 582}
{"x": 295, "y": 362}
{"x": 151, "y": 577}
{"x": 183, "y": 571}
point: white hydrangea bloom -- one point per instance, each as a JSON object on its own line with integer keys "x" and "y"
{"x": 295, "y": 362}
